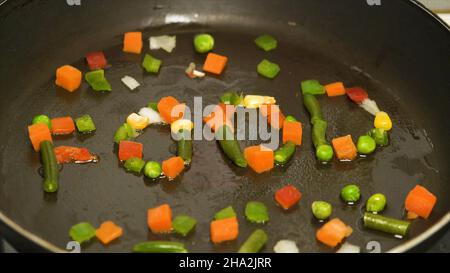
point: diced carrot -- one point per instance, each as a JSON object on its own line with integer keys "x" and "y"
{"x": 259, "y": 158}
{"x": 333, "y": 232}
{"x": 108, "y": 231}
{"x": 292, "y": 131}
{"x": 173, "y": 166}
{"x": 215, "y": 63}
{"x": 170, "y": 109}
{"x": 420, "y": 201}
{"x": 68, "y": 77}
{"x": 219, "y": 116}
{"x": 272, "y": 111}
{"x": 132, "y": 42}
{"x": 344, "y": 148}
{"x": 335, "y": 89}
{"x": 224, "y": 230}
{"x": 159, "y": 219}
{"x": 38, "y": 133}
{"x": 411, "y": 215}
{"x": 129, "y": 149}
{"x": 62, "y": 126}
{"x": 288, "y": 196}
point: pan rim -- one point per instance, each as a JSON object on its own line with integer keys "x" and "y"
{"x": 408, "y": 245}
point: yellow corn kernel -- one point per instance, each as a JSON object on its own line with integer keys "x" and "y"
{"x": 254, "y": 101}
{"x": 180, "y": 124}
{"x": 137, "y": 122}
{"x": 383, "y": 121}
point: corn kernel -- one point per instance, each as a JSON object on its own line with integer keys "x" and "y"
{"x": 180, "y": 124}
{"x": 383, "y": 121}
{"x": 137, "y": 122}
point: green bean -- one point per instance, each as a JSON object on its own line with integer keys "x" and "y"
{"x": 203, "y": 43}
{"x": 230, "y": 146}
{"x": 318, "y": 132}
{"x": 254, "y": 242}
{"x": 159, "y": 247}
{"x": 152, "y": 169}
{"x": 321, "y": 210}
{"x": 376, "y": 203}
{"x": 50, "y": 164}
{"x": 380, "y": 136}
{"x": 386, "y": 224}
{"x": 285, "y": 153}
{"x": 350, "y": 193}
{"x": 184, "y": 144}
{"x": 313, "y": 107}
{"x": 366, "y": 145}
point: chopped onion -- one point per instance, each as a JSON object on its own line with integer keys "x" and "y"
{"x": 285, "y": 246}
{"x": 130, "y": 82}
{"x": 370, "y": 106}
{"x": 165, "y": 42}
{"x": 192, "y": 73}
{"x": 349, "y": 248}
{"x": 198, "y": 74}
{"x": 151, "y": 114}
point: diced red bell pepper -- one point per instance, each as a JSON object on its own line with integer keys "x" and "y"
{"x": 288, "y": 196}
{"x": 129, "y": 149}
{"x": 67, "y": 154}
{"x": 357, "y": 94}
{"x": 96, "y": 60}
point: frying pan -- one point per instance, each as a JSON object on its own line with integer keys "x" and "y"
{"x": 398, "y": 50}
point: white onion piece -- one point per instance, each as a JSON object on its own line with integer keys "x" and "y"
{"x": 370, "y": 106}
{"x": 168, "y": 43}
{"x": 349, "y": 248}
{"x": 285, "y": 246}
{"x": 151, "y": 114}
{"x": 198, "y": 74}
{"x": 130, "y": 82}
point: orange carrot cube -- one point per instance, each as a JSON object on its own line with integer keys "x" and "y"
{"x": 62, "y": 126}
{"x": 420, "y": 201}
{"x": 344, "y": 148}
{"x": 170, "y": 109}
{"x": 335, "y": 89}
{"x": 132, "y": 42}
{"x": 259, "y": 158}
{"x": 159, "y": 219}
{"x": 38, "y": 133}
{"x": 68, "y": 77}
{"x": 292, "y": 131}
{"x": 108, "y": 231}
{"x": 224, "y": 230}
{"x": 173, "y": 166}
{"x": 215, "y": 63}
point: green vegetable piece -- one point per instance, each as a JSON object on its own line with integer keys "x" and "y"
{"x": 97, "y": 80}
{"x": 232, "y": 98}
{"x": 50, "y": 166}
{"x": 319, "y": 130}
{"x": 350, "y": 193}
{"x": 183, "y": 224}
{"x": 266, "y": 42}
{"x": 85, "y": 124}
{"x": 152, "y": 169}
{"x": 256, "y": 212}
{"x": 321, "y": 210}
{"x": 285, "y": 153}
{"x": 134, "y": 164}
{"x": 380, "y": 136}
{"x": 150, "y": 64}
{"x": 268, "y": 69}
{"x": 230, "y": 146}
{"x": 254, "y": 242}
{"x": 159, "y": 247}
{"x": 153, "y": 105}
{"x": 42, "y": 119}
{"x": 225, "y": 213}
{"x": 376, "y": 203}
{"x": 290, "y": 118}
{"x": 184, "y": 145}
{"x": 312, "y": 105}
{"x": 203, "y": 43}
{"x": 82, "y": 232}
{"x": 366, "y": 145}
{"x": 125, "y": 132}
{"x": 324, "y": 153}
{"x": 312, "y": 87}
{"x": 386, "y": 224}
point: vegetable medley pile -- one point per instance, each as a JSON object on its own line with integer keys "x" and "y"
{"x": 224, "y": 225}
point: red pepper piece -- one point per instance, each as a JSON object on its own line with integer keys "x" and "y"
{"x": 357, "y": 94}
{"x": 67, "y": 154}
{"x": 96, "y": 60}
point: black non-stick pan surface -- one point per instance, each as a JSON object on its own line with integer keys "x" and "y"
{"x": 397, "y": 51}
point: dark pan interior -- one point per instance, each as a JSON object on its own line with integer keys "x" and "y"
{"x": 401, "y": 60}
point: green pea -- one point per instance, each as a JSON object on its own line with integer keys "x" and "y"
{"x": 291, "y": 118}
{"x": 203, "y": 43}
{"x": 376, "y": 203}
{"x": 321, "y": 210}
{"x": 42, "y": 119}
{"x": 380, "y": 136}
{"x": 366, "y": 145}
{"x": 324, "y": 153}
{"x": 350, "y": 193}
{"x": 152, "y": 169}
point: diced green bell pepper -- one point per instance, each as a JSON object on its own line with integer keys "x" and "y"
{"x": 266, "y": 42}
{"x": 82, "y": 232}
{"x": 97, "y": 80}
{"x": 268, "y": 69}
{"x": 134, "y": 164}
{"x": 183, "y": 224}
{"x": 256, "y": 212}
{"x": 312, "y": 87}
{"x": 85, "y": 124}
{"x": 225, "y": 213}
{"x": 151, "y": 64}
